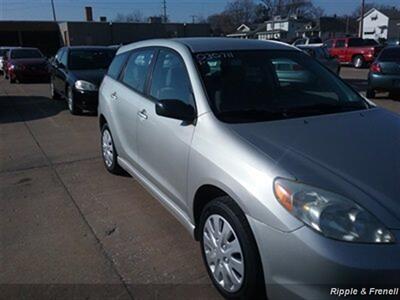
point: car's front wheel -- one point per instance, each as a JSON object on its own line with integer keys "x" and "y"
{"x": 109, "y": 152}
{"x": 230, "y": 252}
{"x": 73, "y": 108}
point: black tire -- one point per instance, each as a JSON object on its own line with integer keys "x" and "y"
{"x": 72, "y": 107}
{"x": 370, "y": 94}
{"x": 253, "y": 286}
{"x": 13, "y": 80}
{"x": 114, "y": 167}
{"x": 358, "y": 61}
{"x": 53, "y": 92}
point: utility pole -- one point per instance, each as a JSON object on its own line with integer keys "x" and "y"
{"x": 54, "y": 10}
{"x": 193, "y": 18}
{"x": 361, "y": 33}
{"x": 164, "y": 7}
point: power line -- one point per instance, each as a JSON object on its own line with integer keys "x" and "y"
{"x": 54, "y": 10}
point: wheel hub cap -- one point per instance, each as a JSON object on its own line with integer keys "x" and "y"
{"x": 223, "y": 253}
{"x": 107, "y": 148}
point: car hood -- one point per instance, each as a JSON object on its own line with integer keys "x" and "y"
{"x": 93, "y": 76}
{"x": 28, "y": 61}
{"x": 354, "y": 153}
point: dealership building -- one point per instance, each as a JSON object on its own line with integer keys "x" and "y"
{"x": 49, "y": 36}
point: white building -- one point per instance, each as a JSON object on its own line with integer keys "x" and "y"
{"x": 381, "y": 24}
{"x": 281, "y": 28}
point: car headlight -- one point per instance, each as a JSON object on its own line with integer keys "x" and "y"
{"x": 85, "y": 86}
{"x": 332, "y": 215}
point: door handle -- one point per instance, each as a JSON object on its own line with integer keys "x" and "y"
{"x": 114, "y": 96}
{"x": 142, "y": 114}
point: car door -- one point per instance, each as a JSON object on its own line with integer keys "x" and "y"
{"x": 164, "y": 143}
{"x": 127, "y": 95}
{"x": 340, "y": 49}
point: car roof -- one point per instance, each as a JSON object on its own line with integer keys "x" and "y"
{"x": 207, "y": 44}
{"x": 311, "y": 46}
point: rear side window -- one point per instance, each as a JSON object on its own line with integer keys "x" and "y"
{"x": 137, "y": 68}
{"x": 340, "y": 44}
{"x": 170, "y": 80}
{"x": 116, "y": 66}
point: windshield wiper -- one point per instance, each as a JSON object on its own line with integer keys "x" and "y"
{"x": 251, "y": 115}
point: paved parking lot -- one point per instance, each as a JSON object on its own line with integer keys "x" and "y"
{"x": 65, "y": 221}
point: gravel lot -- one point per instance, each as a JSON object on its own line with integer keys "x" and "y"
{"x": 65, "y": 221}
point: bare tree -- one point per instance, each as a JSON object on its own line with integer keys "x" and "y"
{"x": 135, "y": 16}
{"x": 241, "y": 11}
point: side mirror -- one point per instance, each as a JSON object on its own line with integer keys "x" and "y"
{"x": 175, "y": 109}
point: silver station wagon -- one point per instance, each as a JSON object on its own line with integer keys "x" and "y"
{"x": 288, "y": 177}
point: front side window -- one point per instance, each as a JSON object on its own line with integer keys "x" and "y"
{"x": 116, "y": 66}
{"x": 170, "y": 80}
{"x": 25, "y": 53}
{"x": 137, "y": 68}
{"x": 90, "y": 59}
{"x": 250, "y": 86}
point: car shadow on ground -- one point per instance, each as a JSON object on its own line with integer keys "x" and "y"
{"x": 28, "y": 108}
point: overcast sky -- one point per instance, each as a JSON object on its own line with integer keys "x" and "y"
{"x": 178, "y": 10}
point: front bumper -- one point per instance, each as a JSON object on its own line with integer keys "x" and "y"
{"x": 384, "y": 82}
{"x": 87, "y": 100}
{"x": 40, "y": 75}
{"x": 305, "y": 265}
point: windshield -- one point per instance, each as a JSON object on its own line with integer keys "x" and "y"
{"x": 26, "y": 53}
{"x": 252, "y": 86}
{"x": 86, "y": 59}
{"x": 390, "y": 54}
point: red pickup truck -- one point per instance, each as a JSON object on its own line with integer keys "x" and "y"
{"x": 355, "y": 51}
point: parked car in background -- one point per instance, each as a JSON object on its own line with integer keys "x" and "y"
{"x": 77, "y": 73}
{"x": 307, "y": 41}
{"x": 320, "y": 52}
{"x": 384, "y": 74}
{"x": 26, "y": 64}
{"x": 277, "y": 174}
{"x": 355, "y": 51}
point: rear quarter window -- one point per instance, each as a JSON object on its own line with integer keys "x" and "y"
{"x": 117, "y": 64}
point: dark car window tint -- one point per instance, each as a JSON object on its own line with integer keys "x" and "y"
{"x": 340, "y": 44}
{"x": 26, "y": 53}
{"x": 137, "y": 68}
{"x": 89, "y": 59}
{"x": 116, "y": 66}
{"x": 250, "y": 86}
{"x": 3, "y": 52}
{"x": 170, "y": 80}
{"x": 391, "y": 54}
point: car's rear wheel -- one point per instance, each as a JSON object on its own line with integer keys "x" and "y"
{"x": 109, "y": 152}
{"x": 358, "y": 61}
{"x": 230, "y": 252}
{"x": 73, "y": 108}
{"x": 370, "y": 93}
